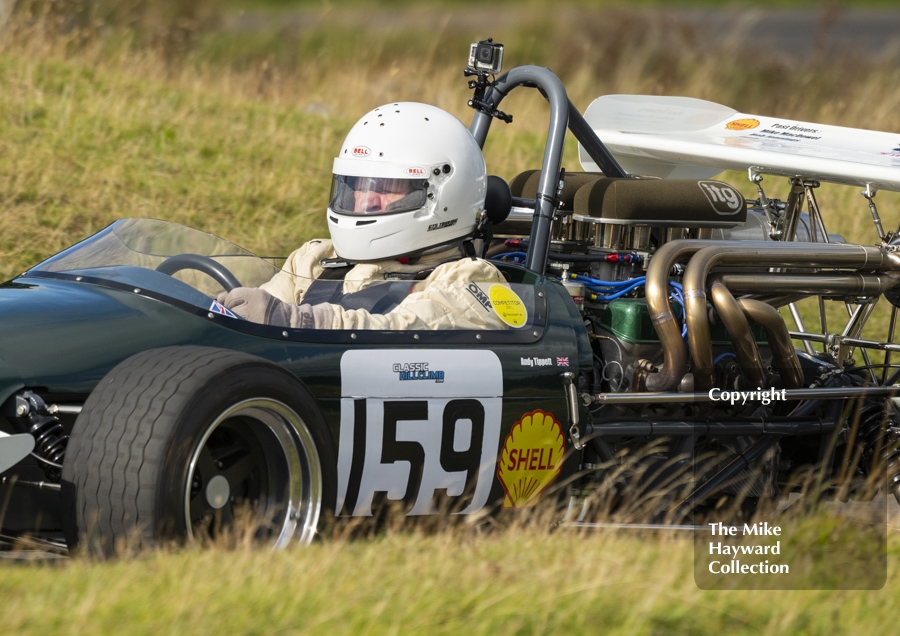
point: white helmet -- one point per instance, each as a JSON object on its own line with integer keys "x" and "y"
{"x": 409, "y": 177}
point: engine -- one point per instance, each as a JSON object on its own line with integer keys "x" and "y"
{"x": 608, "y": 232}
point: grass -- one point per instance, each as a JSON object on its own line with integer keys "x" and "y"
{"x": 234, "y": 134}
{"x": 288, "y": 5}
{"x": 520, "y": 581}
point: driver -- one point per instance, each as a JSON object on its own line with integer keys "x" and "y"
{"x": 407, "y": 193}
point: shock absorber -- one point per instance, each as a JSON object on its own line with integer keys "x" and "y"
{"x": 50, "y": 438}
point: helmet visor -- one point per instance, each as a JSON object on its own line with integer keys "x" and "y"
{"x": 370, "y": 195}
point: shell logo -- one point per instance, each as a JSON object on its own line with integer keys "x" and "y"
{"x": 742, "y": 124}
{"x": 415, "y": 172}
{"x": 531, "y": 458}
{"x": 361, "y": 151}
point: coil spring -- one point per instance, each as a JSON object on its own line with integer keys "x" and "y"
{"x": 50, "y": 439}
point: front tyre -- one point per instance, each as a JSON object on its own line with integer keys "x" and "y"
{"x": 178, "y": 443}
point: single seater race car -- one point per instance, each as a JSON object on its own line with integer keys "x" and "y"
{"x": 641, "y": 304}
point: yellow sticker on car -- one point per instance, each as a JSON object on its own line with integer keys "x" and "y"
{"x": 531, "y": 458}
{"x": 508, "y": 306}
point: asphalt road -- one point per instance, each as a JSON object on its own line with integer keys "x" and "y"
{"x": 795, "y": 34}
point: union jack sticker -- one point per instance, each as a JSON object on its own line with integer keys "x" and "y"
{"x": 562, "y": 362}
{"x": 219, "y": 308}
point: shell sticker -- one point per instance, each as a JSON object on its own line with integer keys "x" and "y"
{"x": 508, "y": 306}
{"x": 742, "y": 124}
{"x": 530, "y": 459}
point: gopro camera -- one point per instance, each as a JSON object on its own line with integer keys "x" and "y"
{"x": 486, "y": 57}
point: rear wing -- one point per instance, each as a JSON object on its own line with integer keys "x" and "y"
{"x": 686, "y": 138}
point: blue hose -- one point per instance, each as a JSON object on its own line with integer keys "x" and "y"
{"x": 605, "y": 283}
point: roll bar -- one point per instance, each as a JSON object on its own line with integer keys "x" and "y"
{"x": 563, "y": 116}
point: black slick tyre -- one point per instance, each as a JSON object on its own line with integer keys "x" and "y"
{"x": 175, "y": 443}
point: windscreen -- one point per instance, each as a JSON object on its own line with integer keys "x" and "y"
{"x": 148, "y": 244}
{"x": 194, "y": 267}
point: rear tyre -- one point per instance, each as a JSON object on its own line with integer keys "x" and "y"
{"x": 177, "y": 443}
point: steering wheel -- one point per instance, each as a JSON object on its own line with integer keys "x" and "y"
{"x": 205, "y": 264}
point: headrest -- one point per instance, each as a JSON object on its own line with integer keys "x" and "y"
{"x": 497, "y": 200}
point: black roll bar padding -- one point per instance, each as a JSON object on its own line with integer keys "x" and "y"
{"x": 520, "y": 202}
{"x": 563, "y": 115}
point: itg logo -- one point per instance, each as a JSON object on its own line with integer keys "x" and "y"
{"x": 723, "y": 198}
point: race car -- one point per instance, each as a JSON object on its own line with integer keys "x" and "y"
{"x": 639, "y": 311}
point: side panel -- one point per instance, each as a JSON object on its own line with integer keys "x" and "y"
{"x": 461, "y": 428}
{"x": 415, "y": 424}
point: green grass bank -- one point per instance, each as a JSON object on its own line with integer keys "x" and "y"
{"x": 234, "y": 133}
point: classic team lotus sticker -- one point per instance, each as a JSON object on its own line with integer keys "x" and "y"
{"x": 531, "y": 459}
{"x": 742, "y": 124}
{"x": 508, "y": 306}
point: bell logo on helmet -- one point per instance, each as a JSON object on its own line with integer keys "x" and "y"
{"x": 415, "y": 171}
{"x": 361, "y": 151}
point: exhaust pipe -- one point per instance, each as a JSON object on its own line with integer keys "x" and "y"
{"x": 855, "y": 257}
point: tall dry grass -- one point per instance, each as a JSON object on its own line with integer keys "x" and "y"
{"x": 233, "y": 131}
{"x": 103, "y": 116}
{"x": 173, "y": 110}
{"x": 524, "y": 580}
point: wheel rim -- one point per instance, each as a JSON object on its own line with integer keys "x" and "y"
{"x": 257, "y": 453}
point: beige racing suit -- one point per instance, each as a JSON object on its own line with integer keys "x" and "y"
{"x": 453, "y": 296}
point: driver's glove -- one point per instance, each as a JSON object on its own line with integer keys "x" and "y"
{"x": 259, "y": 306}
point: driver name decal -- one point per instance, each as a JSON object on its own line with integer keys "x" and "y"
{"x": 412, "y": 444}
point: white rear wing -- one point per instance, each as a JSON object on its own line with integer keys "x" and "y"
{"x": 686, "y": 138}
